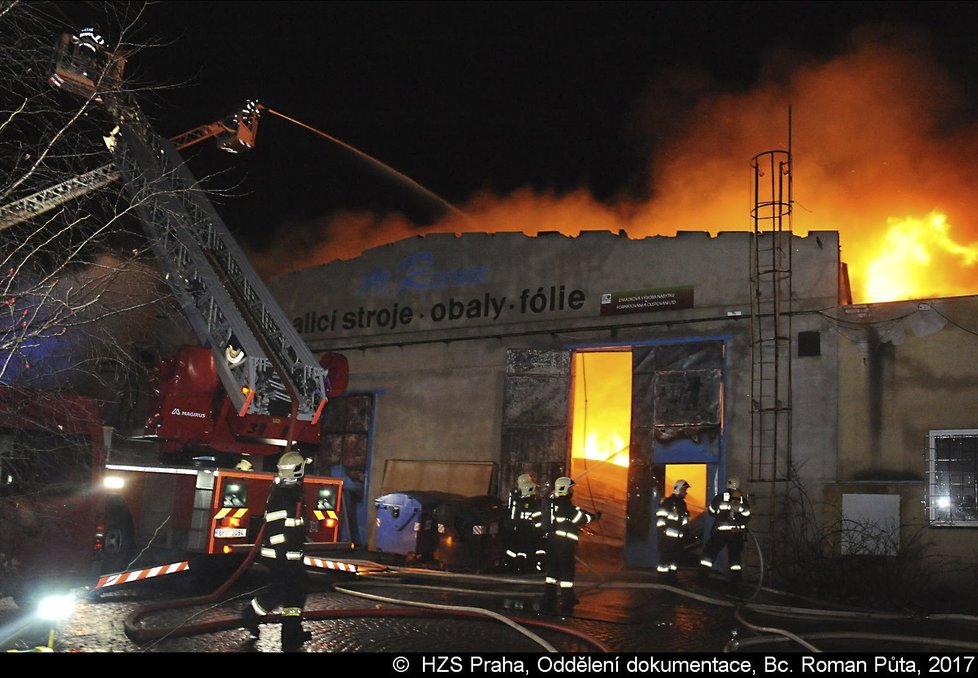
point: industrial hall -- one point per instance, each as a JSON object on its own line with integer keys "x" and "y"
{"x": 628, "y": 364}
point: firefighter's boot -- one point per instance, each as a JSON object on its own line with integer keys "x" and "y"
{"x": 734, "y": 582}
{"x": 703, "y": 574}
{"x": 549, "y": 605}
{"x": 567, "y": 601}
{"x": 293, "y": 635}
{"x": 292, "y": 641}
{"x": 250, "y": 620}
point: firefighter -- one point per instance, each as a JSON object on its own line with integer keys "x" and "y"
{"x": 731, "y": 512}
{"x": 564, "y": 521}
{"x": 89, "y": 39}
{"x": 524, "y": 551}
{"x": 90, "y": 46}
{"x": 670, "y": 520}
{"x": 282, "y": 551}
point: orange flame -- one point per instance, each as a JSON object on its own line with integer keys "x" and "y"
{"x": 877, "y": 130}
{"x": 602, "y": 407}
{"x": 907, "y": 261}
{"x": 604, "y": 446}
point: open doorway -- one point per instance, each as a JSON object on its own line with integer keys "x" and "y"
{"x": 642, "y": 418}
{"x": 601, "y": 401}
{"x": 696, "y": 501}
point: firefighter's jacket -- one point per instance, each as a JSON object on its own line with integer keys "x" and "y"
{"x": 285, "y": 523}
{"x": 566, "y": 519}
{"x": 672, "y": 516}
{"x": 525, "y": 511}
{"x": 731, "y": 511}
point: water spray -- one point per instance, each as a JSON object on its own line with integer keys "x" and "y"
{"x": 374, "y": 161}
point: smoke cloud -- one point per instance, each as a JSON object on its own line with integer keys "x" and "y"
{"x": 877, "y": 134}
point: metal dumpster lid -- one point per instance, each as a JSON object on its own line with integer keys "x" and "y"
{"x": 424, "y": 497}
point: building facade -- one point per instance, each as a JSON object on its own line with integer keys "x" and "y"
{"x": 499, "y": 349}
{"x": 907, "y": 474}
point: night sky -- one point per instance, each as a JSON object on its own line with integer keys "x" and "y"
{"x": 496, "y": 101}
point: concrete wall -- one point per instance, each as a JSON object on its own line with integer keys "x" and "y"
{"x": 907, "y": 368}
{"x": 426, "y": 323}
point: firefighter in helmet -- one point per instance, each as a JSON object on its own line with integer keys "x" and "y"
{"x": 89, "y": 39}
{"x": 731, "y": 513}
{"x": 90, "y": 47}
{"x": 670, "y": 521}
{"x": 282, "y": 552}
{"x": 524, "y": 550}
{"x": 564, "y": 521}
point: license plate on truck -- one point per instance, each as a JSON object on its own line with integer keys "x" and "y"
{"x": 230, "y": 532}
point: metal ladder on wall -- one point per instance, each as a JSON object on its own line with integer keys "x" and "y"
{"x": 770, "y": 402}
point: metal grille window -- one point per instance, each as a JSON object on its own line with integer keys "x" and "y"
{"x": 953, "y": 496}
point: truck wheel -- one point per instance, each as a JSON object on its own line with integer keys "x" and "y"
{"x": 119, "y": 546}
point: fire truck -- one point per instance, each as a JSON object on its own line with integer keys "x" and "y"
{"x": 78, "y": 498}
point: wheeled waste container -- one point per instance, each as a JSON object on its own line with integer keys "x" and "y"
{"x": 405, "y": 522}
{"x": 469, "y": 533}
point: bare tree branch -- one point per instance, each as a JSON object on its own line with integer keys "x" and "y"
{"x": 81, "y": 299}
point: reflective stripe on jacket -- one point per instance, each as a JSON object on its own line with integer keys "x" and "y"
{"x": 285, "y": 532}
{"x": 566, "y": 519}
{"x": 671, "y": 516}
{"x": 731, "y": 510}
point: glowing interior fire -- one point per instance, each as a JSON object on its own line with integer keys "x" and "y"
{"x": 910, "y": 260}
{"x": 602, "y": 407}
{"x": 605, "y": 446}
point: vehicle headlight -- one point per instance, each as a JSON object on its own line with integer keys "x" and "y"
{"x": 113, "y": 483}
{"x": 56, "y": 607}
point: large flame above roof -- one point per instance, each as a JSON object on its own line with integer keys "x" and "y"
{"x": 913, "y": 260}
{"x": 882, "y": 144}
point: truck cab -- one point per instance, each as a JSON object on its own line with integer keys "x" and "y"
{"x": 52, "y": 508}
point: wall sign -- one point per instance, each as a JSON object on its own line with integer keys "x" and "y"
{"x": 645, "y": 301}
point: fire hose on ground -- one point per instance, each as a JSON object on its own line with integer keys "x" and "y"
{"x": 145, "y": 636}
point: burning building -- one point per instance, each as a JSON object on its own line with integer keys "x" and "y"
{"x": 627, "y": 364}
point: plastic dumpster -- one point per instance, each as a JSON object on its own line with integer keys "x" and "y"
{"x": 469, "y": 533}
{"x": 405, "y": 522}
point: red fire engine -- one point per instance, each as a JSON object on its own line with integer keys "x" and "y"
{"x": 195, "y": 484}
{"x": 52, "y": 456}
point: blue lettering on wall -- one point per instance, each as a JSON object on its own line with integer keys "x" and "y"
{"x": 417, "y": 272}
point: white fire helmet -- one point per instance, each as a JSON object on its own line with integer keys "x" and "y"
{"x": 526, "y": 485}
{"x": 733, "y": 484}
{"x": 562, "y": 486}
{"x": 292, "y": 466}
{"x": 680, "y": 486}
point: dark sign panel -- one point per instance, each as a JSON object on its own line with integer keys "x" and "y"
{"x": 645, "y": 301}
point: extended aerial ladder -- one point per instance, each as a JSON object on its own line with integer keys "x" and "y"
{"x": 234, "y": 135}
{"x": 250, "y": 362}
{"x": 262, "y": 362}
{"x": 47, "y": 199}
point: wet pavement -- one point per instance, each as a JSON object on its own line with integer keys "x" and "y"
{"x": 417, "y": 610}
